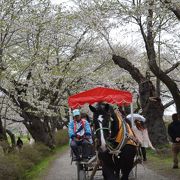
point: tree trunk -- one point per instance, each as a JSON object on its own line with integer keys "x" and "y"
{"x": 151, "y": 105}
{"x": 153, "y": 110}
{"x": 38, "y": 126}
{"x": 149, "y": 44}
{"x": 173, "y": 6}
{"x": 57, "y": 122}
{"x": 12, "y": 137}
{"x": 3, "y": 138}
{"x": 158, "y": 87}
{"x": 39, "y": 129}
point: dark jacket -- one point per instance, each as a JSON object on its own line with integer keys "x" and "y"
{"x": 174, "y": 130}
{"x": 19, "y": 142}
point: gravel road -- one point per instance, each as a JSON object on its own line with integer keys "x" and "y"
{"x": 62, "y": 169}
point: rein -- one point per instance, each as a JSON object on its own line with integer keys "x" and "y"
{"x": 125, "y": 137}
{"x": 117, "y": 150}
{"x": 100, "y": 129}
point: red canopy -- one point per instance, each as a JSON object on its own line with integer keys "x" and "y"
{"x": 100, "y": 94}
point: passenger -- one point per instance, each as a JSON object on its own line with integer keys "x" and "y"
{"x": 85, "y": 116}
{"x": 80, "y": 135}
{"x": 174, "y": 133}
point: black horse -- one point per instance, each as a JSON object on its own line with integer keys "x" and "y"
{"x": 114, "y": 156}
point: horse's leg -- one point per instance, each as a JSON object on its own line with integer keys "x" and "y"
{"x": 117, "y": 172}
{"x": 127, "y": 160}
{"x": 126, "y": 170}
{"x": 108, "y": 173}
{"x": 125, "y": 173}
{"x": 104, "y": 173}
{"x": 108, "y": 166}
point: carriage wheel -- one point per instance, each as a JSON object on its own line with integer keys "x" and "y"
{"x": 81, "y": 172}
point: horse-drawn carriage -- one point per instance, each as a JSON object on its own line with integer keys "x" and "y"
{"x": 86, "y": 169}
{"x": 115, "y": 146}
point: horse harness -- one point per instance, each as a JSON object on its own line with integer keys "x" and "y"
{"x": 124, "y": 136}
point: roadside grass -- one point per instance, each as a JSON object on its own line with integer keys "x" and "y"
{"x": 31, "y": 159}
{"x": 23, "y": 138}
{"x": 162, "y": 162}
{"x": 42, "y": 166}
{"x": 38, "y": 170}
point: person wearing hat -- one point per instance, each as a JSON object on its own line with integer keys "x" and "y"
{"x": 142, "y": 136}
{"x": 80, "y": 135}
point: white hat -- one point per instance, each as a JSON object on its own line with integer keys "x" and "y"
{"x": 136, "y": 116}
{"x": 76, "y": 112}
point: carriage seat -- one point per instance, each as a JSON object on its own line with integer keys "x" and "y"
{"x": 91, "y": 153}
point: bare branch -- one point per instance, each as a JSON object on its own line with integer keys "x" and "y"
{"x": 168, "y": 104}
{"x": 13, "y": 120}
{"x": 172, "y": 68}
{"x": 125, "y": 64}
{"x": 9, "y": 95}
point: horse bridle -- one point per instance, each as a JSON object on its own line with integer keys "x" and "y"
{"x": 101, "y": 128}
{"x": 117, "y": 150}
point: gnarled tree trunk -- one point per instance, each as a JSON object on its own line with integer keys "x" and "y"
{"x": 39, "y": 128}
{"x": 151, "y": 105}
{"x": 3, "y": 138}
{"x": 12, "y": 137}
{"x": 172, "y": 6}
{"x": 152, "y": 110}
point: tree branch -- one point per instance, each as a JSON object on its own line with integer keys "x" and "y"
{"x": 125, "y": 64}
{"x": 172, "y": 68}
{"x": 168, "y": 104}
{"x": 174, "y": 7}
{"x": 75, "y": 52}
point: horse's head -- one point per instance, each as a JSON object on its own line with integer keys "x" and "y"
{"x": 108, "y": 124}
{"x": 101, "y": 118}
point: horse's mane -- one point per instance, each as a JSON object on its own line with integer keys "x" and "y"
{"x": 114, "y": 123}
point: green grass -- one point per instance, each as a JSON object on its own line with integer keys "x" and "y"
{"x": 38, "y": 170}
{"x": 23, "y": 138}
{"x": 32, "y": 159}
{"x": 162, "y": 163}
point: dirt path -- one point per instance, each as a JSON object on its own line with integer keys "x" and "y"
{"x": 62, "y": 169}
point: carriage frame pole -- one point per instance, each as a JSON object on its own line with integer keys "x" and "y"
{"x": 132, "y": 118}
{"x": 70, "y": 114}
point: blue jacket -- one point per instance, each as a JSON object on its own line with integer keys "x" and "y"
{"x": 79, "y": 130}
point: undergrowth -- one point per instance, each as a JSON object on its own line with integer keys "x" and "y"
{"x": 161, "y": 161}
{"x": 18, "y": 165}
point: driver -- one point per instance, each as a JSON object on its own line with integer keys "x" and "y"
{"x": 80, "y": 135}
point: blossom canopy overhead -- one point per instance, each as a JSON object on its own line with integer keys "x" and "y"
{"x": 100, "y": 94}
